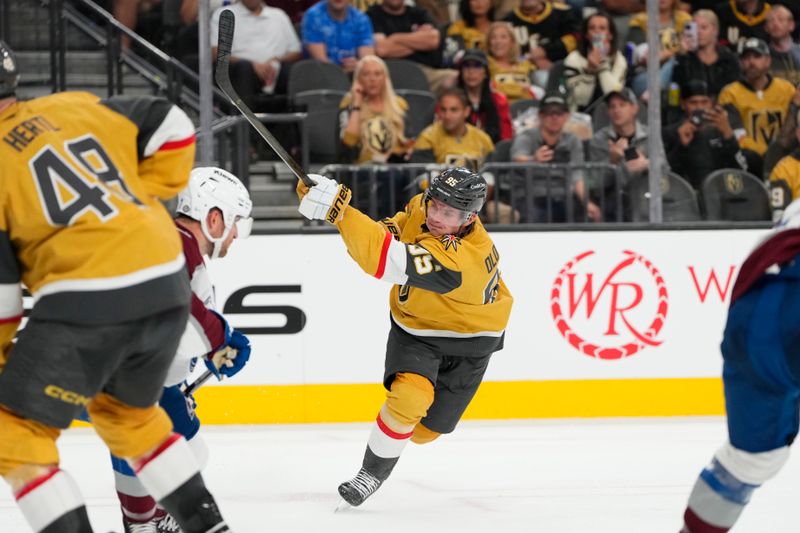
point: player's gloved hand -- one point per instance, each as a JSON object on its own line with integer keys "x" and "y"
{"x": 302, "y": 189}
{"x": 326, "y": 200}
{"x": 241, "y": 344}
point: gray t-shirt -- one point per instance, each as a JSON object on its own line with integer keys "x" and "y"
{"x": 568, "y": 149}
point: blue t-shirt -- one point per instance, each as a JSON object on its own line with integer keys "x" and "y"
{"x": 341, "y": 38}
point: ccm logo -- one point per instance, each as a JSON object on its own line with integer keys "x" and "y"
{"x": 338, "y": 204}
{"x": 66, "y": 396}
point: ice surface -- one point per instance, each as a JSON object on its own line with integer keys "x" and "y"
{"x": 558, "y": 476}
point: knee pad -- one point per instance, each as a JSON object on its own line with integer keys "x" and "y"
{"x": 25, "y": 442}
{"x": 129, "y": 432}
{"x": 752, "y": 468}
{"x": 409, "y": 398}
{"x": 423, "y": 435}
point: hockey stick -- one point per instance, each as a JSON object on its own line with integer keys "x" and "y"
{"x": 218, "y": 359}
{"x": 227, "y": 23}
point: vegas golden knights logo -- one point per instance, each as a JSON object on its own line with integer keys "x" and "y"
{"x": 378, "y": 135}
{"x": 734, "y": 183}
{"x": 765, "y": 125}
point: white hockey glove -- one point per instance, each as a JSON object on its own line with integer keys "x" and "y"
{"x": 326, "y": 200}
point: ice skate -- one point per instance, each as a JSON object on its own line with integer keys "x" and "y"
{"x": 144, "y": 527}
{"x": 358, "y": 489}
{"x": 168, "y": 525}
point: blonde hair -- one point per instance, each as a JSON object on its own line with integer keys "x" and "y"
{"x": 515, "y": 51}
{"x": 709, "y": 17}
{"x": 391, "y": 107}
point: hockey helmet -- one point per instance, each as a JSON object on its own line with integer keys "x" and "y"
{"x": 459, "y": 188}
{"x": 210, "y": 188}
{"x": 9, "y": 71}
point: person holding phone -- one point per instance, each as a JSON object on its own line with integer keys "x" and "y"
{"x": 596, "y": 67}
{"x": 622, "y": 143}
{"x": 703, "y": 140}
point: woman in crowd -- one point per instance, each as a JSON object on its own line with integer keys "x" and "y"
{"x": 596, "y": 67}
{"x": 470, "y": 30}
{"x": 489, "y": 108}
{"x": 671, "y": 22}
{"x": 510, "y": 74}
{"x": 372, "y": 116}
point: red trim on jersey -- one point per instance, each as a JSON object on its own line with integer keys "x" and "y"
{"x": 164, "y": 445}
{"x": 174, "y": 145}
{"x": 36, "y": 483}
{"x": 387, "y": 241}
{"x": 698, "y": 525}
{"x": 389, "y": 433}
{"x": 16, "y": 318}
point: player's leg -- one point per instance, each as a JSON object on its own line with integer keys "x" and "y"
{"x": 410, "y": 372}
{"x": 138, "y": 507}
{"x": 133, "y": 428}
{"x": 761, "y": 399}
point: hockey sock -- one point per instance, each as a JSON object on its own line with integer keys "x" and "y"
{"x": 171, "y": 475}
{"x": 136, "y": 503}
{"x": 52, "y": 503}
{"x": 716, "y": 501}
{"x": 386, "y": 443}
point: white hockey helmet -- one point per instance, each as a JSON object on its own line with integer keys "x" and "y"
{"x": 210, "y": 188}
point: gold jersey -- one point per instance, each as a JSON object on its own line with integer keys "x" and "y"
{"x": 513, "y": 81}
{"x": 784, "y": 181}
{"x": 81, "y": 222}
{"x": 447, "y": 288}
{"x": 762, "y": 112}
{"x": 470, "y": 150}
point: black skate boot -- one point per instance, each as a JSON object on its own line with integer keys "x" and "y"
{"x": 358, "y": 489}
{"x": 144, "y": 527}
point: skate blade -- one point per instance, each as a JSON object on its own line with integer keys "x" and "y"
{"x": 343, "y": 506}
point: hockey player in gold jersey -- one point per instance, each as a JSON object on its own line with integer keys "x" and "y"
{"x": 82, "y": 227}
{"x": 449, "y": 308}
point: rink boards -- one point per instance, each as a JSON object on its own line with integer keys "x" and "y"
{"x": 624, "y": 323}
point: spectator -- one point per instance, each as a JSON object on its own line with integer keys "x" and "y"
{"x": 128, "y": 11}
{"x": 549, "y": 143}
{"x": 546, "y": 31}
{"x": 470, "y": 31}
{"x": 490, "y": 111}
{"x": 408, "y": 32}
{"x": 703, "y": 140}
{"x": 671, "y": 21}
{"x": 740, "y": 20}
{"x": 621, "y": 12}
{"x": 784, "y": 51}
{"x": 295, "y": 9}
{"x": 264, "y": 46}
{"x": 623, "y": 143}
{"x": 785, "y": 177}
{"x": 710, "y": 62}
{"x": 336, "y": 32}
{"x": 596, "y": 68}
{"x": 761, "y": 102}
{"x": 451, "y": 140}
{"x": 372, "y": 116}
{"x": 511, "y": 74}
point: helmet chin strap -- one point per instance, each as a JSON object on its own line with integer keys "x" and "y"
{"x": 218, "y": 241}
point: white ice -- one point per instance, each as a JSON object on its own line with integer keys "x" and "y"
{"x": 560, "y": 476}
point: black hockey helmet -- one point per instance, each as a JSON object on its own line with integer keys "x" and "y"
{"x": 9, "y": 71}
{"x": 459, "y": 188}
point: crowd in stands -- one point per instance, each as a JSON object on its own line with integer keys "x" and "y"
{"x": 535, "y": 82}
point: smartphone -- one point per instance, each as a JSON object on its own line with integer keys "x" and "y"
{"x": 599, "y": 43}
{"x": 698, "y": 117}
{"x": 690, "y": 31}
{"x": 631, "y": 153}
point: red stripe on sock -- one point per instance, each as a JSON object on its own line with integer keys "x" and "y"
{"x": 698, "y": 525}
{"x": 174, "y": 145}
{"x": 164, "y": 445}
{"x": 36, "y": 483}
{"x": 137, "y": 505}
{"x": 10, "y": 319}
{"x": 389, "y": 433}
{"x": 387, "y": 241}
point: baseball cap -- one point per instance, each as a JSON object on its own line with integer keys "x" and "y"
{"x": 754, "y": 45}
{"x": 553, "y": 100}
{"x": 474, "y": 55}
{"x": 626, "y": 93}
{"x": 695, "y": 88}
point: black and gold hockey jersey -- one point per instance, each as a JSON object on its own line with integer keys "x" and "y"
{"x": 447, "y": 288}
{"x": 784, "y": 181}
{"x": 81, "y": 222}
{"x": 469, "y": 151}
{"x": 555, "y": 29}
{"x": 762, "y": 112}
